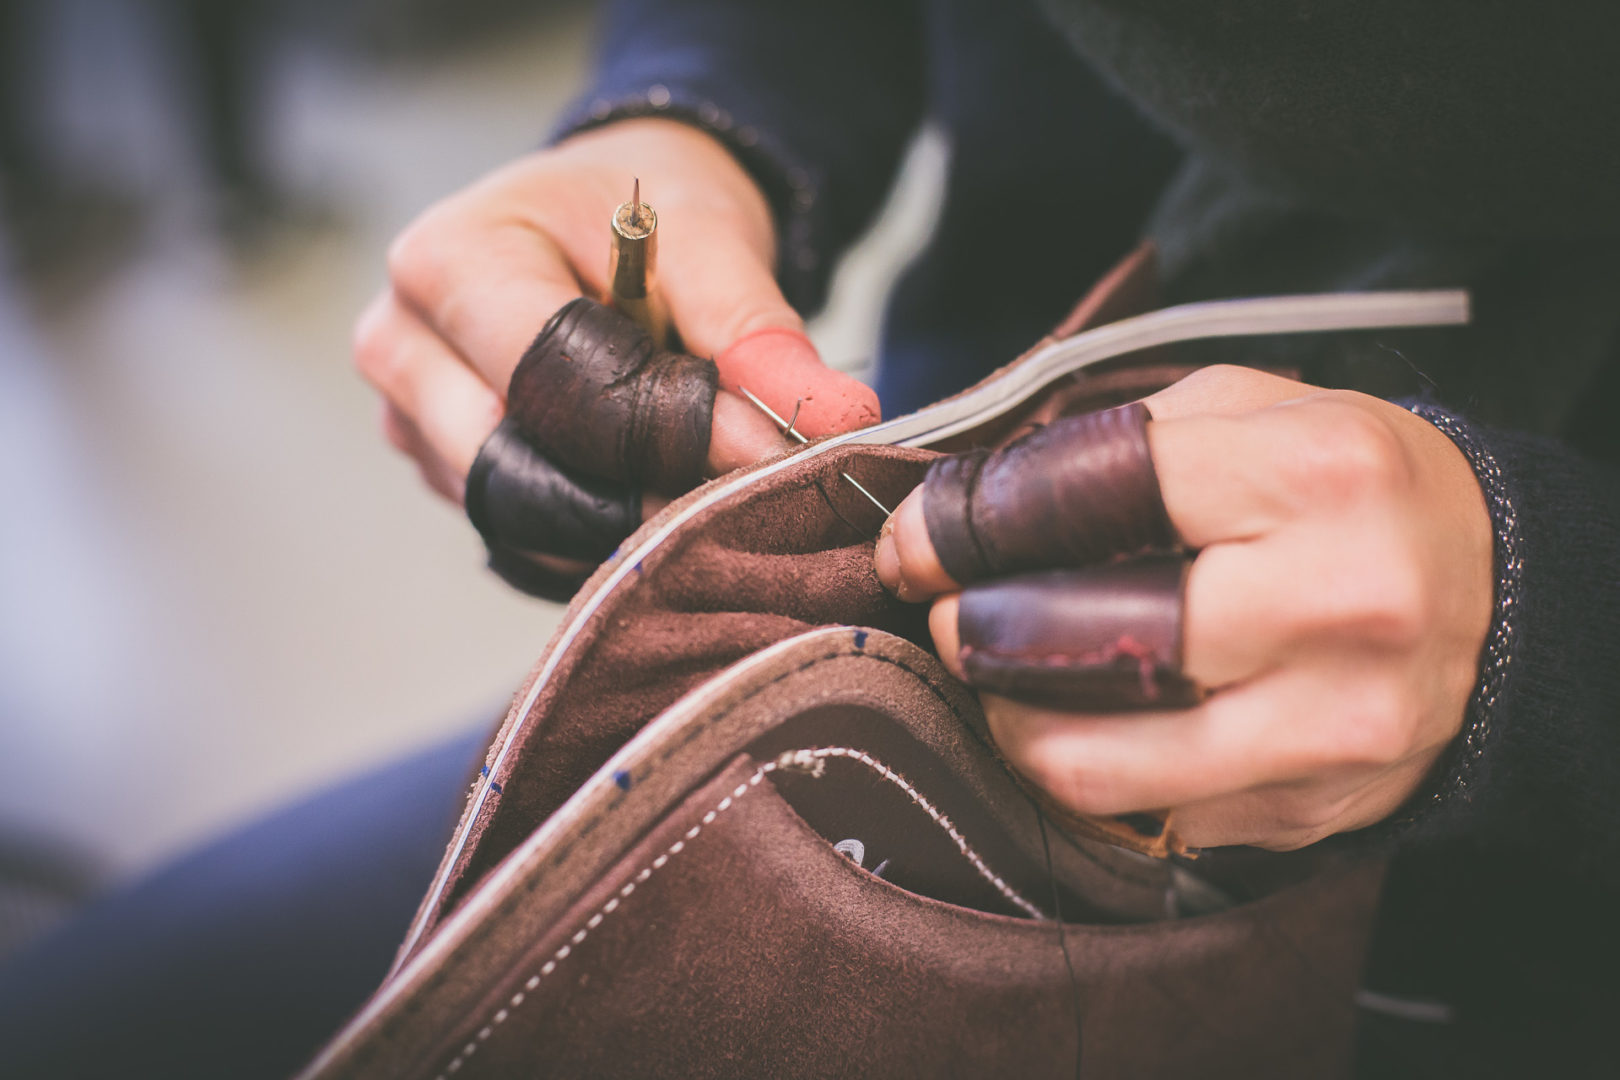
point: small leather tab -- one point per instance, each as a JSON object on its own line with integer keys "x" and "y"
{"x": 1077, "y": 491}
{"x": 597, "y": 396}
{"x": 1098, "y": 639}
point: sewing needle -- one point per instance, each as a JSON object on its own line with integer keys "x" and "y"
{"x": 789, "y": 430}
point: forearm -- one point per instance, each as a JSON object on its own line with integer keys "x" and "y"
{"x": 816, "y": 100}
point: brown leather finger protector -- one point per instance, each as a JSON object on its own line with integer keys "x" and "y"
{"x": 1076, "y": 491}
{"x": 1098, "y": 639}
{"x": 596, "y": 395}
{"x": 520, "y": 503}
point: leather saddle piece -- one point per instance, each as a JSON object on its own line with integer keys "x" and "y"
{"x": 686, "y": 913}
{"x": 654, "y": 889}
{"x": 739, "y": 822}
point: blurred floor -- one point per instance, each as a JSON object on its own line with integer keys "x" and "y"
{"x": 218, "y": 586}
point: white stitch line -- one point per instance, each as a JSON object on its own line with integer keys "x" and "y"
{"x": 791, "y": 759}
{"x": 940, "y": 819}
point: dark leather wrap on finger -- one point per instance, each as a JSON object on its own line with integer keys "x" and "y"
{"x": 1076, "y": 491}
{"x": 522, "y": 505}
{"x": 597, "y": 396}
{"x": 1099, "y": 639}
{"x": 518, "y": 498}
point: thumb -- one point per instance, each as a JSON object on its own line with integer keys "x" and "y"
{"x": 725, "y": 302}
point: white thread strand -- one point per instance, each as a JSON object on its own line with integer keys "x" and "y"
{"x": 799, "y": 760}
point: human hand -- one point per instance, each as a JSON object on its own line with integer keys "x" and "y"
{"x": 475, "y": 277}
{"x": 1335, "y": 612}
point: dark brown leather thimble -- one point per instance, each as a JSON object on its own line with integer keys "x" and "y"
{"x": 598, "y": 397}
{"x": 1097, "y": 639}
{"x": 517, "y": 499}
{"x": 1076, "y": 491}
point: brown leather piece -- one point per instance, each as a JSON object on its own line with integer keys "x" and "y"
{"x": 792, "y": 554}
{"x": 597, "y": 396}
{"x": 748, "y": 946}
{"x": 691, "y": 919}
{"x": 1076, "y": 491}
{"x": 1096, "y": 639}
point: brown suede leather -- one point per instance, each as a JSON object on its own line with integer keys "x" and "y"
{"x": 1076, "y": 491}
{"x": 599, "y": 397}
{"x": 756, "y": 950}
{"x": 1101, "y": 638}
{"x": 675, "y": 920}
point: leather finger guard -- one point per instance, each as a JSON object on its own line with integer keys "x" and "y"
{"x": 1076, "y": 491}
{"x": 597, "y": 396}
{"x": 1099, "y": 639}
{"x": 519, "y": 501}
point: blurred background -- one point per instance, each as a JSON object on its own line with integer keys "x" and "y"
{"x": 219, "y": 588}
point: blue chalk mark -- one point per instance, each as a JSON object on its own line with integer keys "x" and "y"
{"x": 860, "y": 639}
{"x": 638, "y": 568}
{"x": 484, "y": 771}
{"x": 622, "y": 778}
{"x": 495, "y": 787}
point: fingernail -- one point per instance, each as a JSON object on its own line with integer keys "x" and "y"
{"x": 887, "y": 560}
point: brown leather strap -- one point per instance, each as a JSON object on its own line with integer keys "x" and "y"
{"x": 1076, "y": 491}
{"x": 597, "y": 396}
{"x": 1098, "y": 639}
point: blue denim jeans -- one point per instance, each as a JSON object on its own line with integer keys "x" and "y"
{"x": 240, "y": 959}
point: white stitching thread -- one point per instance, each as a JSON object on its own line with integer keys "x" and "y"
{"x": 812, "y": 761}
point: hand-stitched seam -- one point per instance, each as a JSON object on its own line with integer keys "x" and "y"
{"x": 811, "y": 759}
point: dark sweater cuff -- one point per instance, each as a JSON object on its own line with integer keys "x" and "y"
{"x": 791, "y": 186}
{"x": 1535, "y": 768}
{"x": 1443, "y": 805}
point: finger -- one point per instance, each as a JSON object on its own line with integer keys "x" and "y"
{"x": 1285, "y": 727}
{"x": 741, "y": 435}
{"x": 519, "y": 499}
{"x": 404, "y": 437}
{"x": 451, "y": 407}
{"x": 1289, "y": 816}
{"x": 725, "y": 302}
{"x": 1256, "y": 605}
{"x": 1099, "y": 638}
{"x": 942, "y": 627}
{"x": 1223, "y": 390}
{"x": 905, "y": 558}
{"x": 1243, "y": 613}
{"x": 484, "y": 287}
{"x": 1080, "y": 490}
{"x": 1237, "y": 477}
{"x": 596, "y": 395}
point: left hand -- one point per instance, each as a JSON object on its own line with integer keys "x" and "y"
{"x": 1336, "y": 611}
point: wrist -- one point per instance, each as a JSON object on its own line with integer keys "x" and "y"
{"x": 1453, "y": 782}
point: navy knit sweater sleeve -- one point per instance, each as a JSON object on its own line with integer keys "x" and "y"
{"x": 1536, "y": 761}
{"x": 817, "y": 100}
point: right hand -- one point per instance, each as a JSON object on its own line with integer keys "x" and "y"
{"x": 475, "y": 277}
